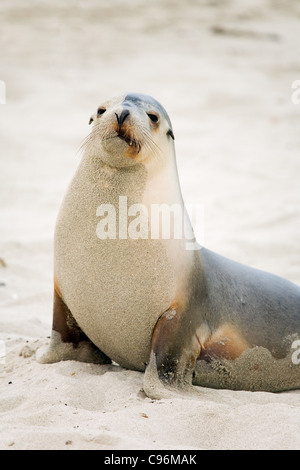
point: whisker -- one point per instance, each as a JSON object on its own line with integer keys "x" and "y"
{"x": 150, "y": 144}
{"x": 140, "y": 138}
{"x": 85, "y": 142}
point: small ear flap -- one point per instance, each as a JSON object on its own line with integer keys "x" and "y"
{"x": 91, "y": 120}
{"x": 170, "y": 133}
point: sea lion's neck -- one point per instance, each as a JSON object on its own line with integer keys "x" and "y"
{"x": 163, "y": 186}
{"x": 142, "y": 183}
{"x": 111, "y": 182}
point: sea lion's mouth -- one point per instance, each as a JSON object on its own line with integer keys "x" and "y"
{"x": 135, "y": 144}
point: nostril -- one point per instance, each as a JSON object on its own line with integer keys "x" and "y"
{"x": 124, "y": 114}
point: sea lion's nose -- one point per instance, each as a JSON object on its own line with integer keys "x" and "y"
{"x": 124, "y": 114}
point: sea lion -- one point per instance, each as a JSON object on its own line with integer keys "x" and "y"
{"x": 150, "y": 302}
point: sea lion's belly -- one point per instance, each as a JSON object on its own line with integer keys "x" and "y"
{"x": 115, "y": 289}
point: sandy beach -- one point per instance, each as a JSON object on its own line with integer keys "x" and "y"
{"x": 224, "y": 71}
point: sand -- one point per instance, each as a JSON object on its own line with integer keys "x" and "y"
{"x": 224, "y": 71}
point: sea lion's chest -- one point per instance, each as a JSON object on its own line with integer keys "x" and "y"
{"x": 115, "y": 286}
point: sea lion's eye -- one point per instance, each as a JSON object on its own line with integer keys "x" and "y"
{"x": 153, "y": 117}
{"x": 100, "y": 111}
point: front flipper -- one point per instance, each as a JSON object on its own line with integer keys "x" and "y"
{"x": 68, "y": 341}
{"x": 174, "y": 351}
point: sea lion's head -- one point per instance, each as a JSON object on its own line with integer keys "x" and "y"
{"x": 129, "y": 129}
